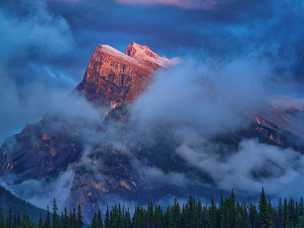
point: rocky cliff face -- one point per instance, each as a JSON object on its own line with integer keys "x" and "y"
{"x": 113, "y": 77}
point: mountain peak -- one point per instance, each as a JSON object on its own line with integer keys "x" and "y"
{"x": 143, "y": 53}
{"x": 110, "y": 49}
{"x": 113, "y": 77}
{"x": 134, "y": 49}
{"x": 107, "y": 50}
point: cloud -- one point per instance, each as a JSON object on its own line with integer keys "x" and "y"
{"x": 212, "y": 97}
{"x": 156, "y": 175}
{"x": 42, "y": 193}
{"x": 254, "y": 165}
{"x": 200, "y": 100}
{"x": 38, "y": 35}
{"x": 21, "y": 106}
{"x": 186, "y": 4}
{"x": 34, "y": 44}
{"x": 32, "y": 81}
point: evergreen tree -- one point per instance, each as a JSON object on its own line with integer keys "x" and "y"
{"x": 47, "y": 222}
{"x": 174, "y": 214}
{"x": 193, "y": 214}
{"x": 55, "y": 219}
{"x": 2, "y": 220}
{"x": 278, "y": 219}
{"x": 40, "y": 222}
{"x": 73, "y": 219}
{"x": 285, "y": 214}
{"x": 149, "y": 223}
{"x": 264, "y": 210}
{"x": 107, "y": 219}
{"x": 65, "y": 219}
{"x": 79, "y": 221}
{"x": 138, "y": 218}
{"x": 253, "y": 216}
{"x": 212, "y": 220}
{"x": 158, "y": 217}
{"x": 97, "y": 220}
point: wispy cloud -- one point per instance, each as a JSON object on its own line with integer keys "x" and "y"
{"x": 186, "y": 4}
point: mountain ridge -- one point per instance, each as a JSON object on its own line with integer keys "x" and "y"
{"x": 10, "y": 203}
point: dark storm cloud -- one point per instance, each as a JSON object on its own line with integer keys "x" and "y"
{"x": 119, "y": 25}
{"x": 227, "y": 28}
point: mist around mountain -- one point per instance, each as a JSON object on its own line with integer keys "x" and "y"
{"x": 131, "y": 101}
{"x": 142, "y": 127}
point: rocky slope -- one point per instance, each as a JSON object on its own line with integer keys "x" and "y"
{"x": 121, "y": 162}
{"x": 281, "y": 123}
{"x": 41, "y": 150}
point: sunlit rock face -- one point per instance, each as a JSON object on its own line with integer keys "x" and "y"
{"x": 146, "y": 56}
{"x": 113, "y": 77}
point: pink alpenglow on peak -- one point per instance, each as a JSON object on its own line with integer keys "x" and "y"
{"x": 114, "y": 78}
{"x": 144, "y": 54}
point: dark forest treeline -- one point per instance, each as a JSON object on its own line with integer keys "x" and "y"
{"x": 227, "y": 213}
